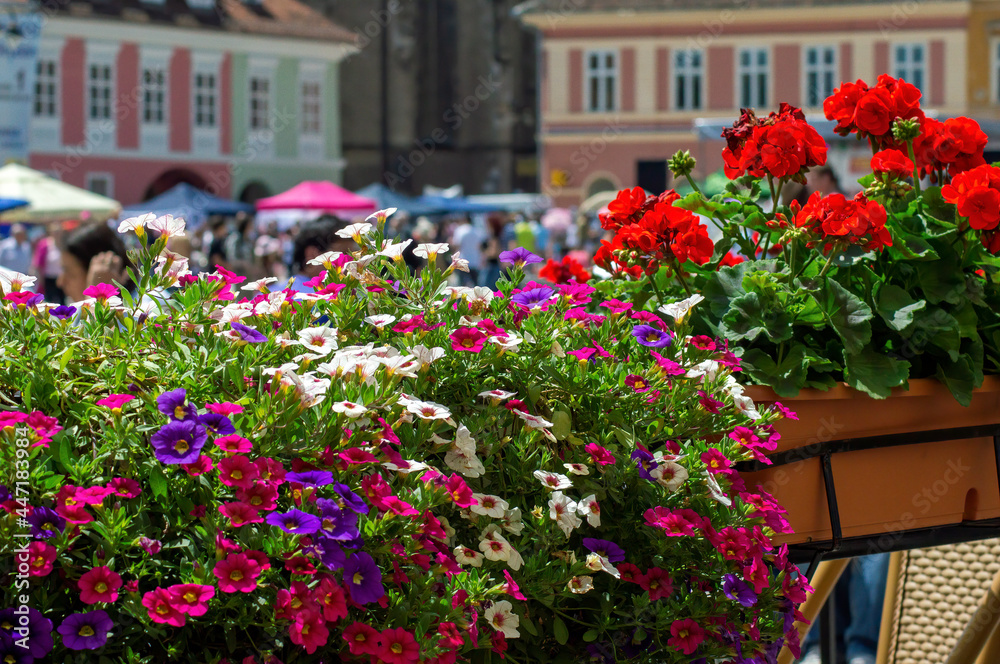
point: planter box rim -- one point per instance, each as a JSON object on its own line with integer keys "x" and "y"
{"x": 918, "y": 387}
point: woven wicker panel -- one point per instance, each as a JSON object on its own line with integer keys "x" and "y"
{"x": 938, "y": 592}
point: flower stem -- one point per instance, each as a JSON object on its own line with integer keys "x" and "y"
{"x": 916, "y": 171}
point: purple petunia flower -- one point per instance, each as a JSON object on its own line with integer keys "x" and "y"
{"x": 45, "y": 523}
{"x": 609, "y": 550}
{"x": 311, "y": 477}
{"x": 330, "y": 552}
{"x": 534, "y": 297}
{"x": 39, "y": 633}
{"x": 86, "y": 631}
{"x": 363, "y": 578}
{"x": 644, "y": 461}
{"x": 519, "y": 257}
{"x": 650, "y": 336}
{"x": 738, "y": 591}
{"x": 217, "y": 424}
{"x": 62, "y": 312}
{"x": 349, "y": 499}
{"x": 294, "y": 522}
{"x": 248, "y": 334}
{"x": 5, "y": 493}
{"x": 337, "y": 523}
{"x": 174, "y": 405}
{"x": 180, "y": 441}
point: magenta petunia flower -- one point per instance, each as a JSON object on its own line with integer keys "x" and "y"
{"x": 240, "y": 514}
{"x": 295, "y": 522}
{"x": 26, "y": 298}
{"x": 237, "y": 573}
{"x": 85, "y": 631}
{"x": 125, "y": 487}
{"x": 160, "y": 604}
{"x": 101, "y": 292}
{"x": 100, "y": 584}
{"x": 115, "y": 401}
{"x": 191, "y": 598}
{"x": 467, "y": 339}
{"x": 616, "y": 306}
{"x": 11, "y": 418}
{"x": 224, "y": 408}
{"x": 238, "y": 471}
{"x": 179, "y": 442}
{"x": 233, "y": 444}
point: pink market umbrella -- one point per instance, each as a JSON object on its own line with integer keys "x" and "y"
{"x": 320, "y": 197}
{"x": 557, "y": 219}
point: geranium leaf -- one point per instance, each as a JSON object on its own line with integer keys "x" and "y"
{"x": 960, "y": 377}
{"x": 874, "y": 373}
{"x": 847, "y": 314}
{"x": 897, "y": 307}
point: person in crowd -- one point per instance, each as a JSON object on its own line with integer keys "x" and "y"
{"x": 314, "y": 239}
{"x": 216, "y": 250}
{"x": 239, "y": 244}
{"x": 423, "y": 231}
{"x": 468, "y": 239}
{"x": 46, "y": 264}
{"x": 267, "y": 251}
{"x": 92, "y": 254}
{"x": 491, "y": 254}
{"x": 824, "y": 180}
{"x": 15, "y": 251}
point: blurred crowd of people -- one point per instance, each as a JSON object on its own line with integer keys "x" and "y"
{"x": 65, "y": 258}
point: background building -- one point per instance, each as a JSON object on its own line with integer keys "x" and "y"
{"x": 134, "y": 96}
{"x": 441, "y": 92}
{"x": 626, "y": 83}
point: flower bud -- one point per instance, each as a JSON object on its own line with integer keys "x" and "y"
{"x": 681, "y": 164}
{"x": 905, "y": 130}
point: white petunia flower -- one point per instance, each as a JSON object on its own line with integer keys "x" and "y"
{"x": 577, "y": 468}
{"x": 488, "y": 505}
{"x": 427, "y": 356}
{"x": 427, "y": 410}
{"x": 512, "y": 521}
{"x": 499, "y": 395}
{"x": 394, "y": 250}
{"x": 746, "y": 406}
{"x": 326, "y": 259}
{"x": 464, "y": 440}
{"x": 563, "y": 511}
{"x": 349, "y": 408}
{"x": 381, "y": 215}
{"x": 580, "y": 584}
{"x": 321, "y": 340}
{"x": 598, "y": 562}
{"x": 678, "y": 310}
{"x": 503, "y": 619}
{"x": 552, "y": 481}
{"x": 259, "y": 285}
{"x": 459, "y": 263}
{"x": 167, "y": 226}
{"x": 466, "y": 556}
{"x": 495, "y": 547}
{"x": 715, "y": 490}
{"x": 467, "y": 465}
{"x": 136, "y": 224}
{"x": 707, "y": 370}
{"x": 379, "y": 321}
{"x": 15, "y": 281}
{"x": 354, "y": 231}
{"x": 669, "y": 474}
{"x": 589, "y": 507}
{"x": 430, "y": 250}
{"x": 533, "y": 421}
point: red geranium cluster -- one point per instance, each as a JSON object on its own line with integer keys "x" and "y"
{"x": 563, "y": 272}
{"x": 976, "y": 194}
{"x": 781, "y": 145}
{"x": 956, "y": 144}
{"x": 870, "y": 111}
{"x": 835, "y": 220}
{"x": 650, "y": 232}
{"x": 892, "y": 162}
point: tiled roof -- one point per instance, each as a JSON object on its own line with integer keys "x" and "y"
{"x": 280, "y": 18}
{"x": 570, "y": 6}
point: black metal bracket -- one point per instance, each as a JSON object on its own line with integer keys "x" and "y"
{"x": 838, "y": 547}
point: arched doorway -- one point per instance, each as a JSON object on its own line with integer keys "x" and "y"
{"x": 254, "y": 191}
{"x": 170, "y": 179}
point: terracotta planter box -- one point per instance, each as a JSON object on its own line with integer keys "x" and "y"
{"x": 885, "y": 490}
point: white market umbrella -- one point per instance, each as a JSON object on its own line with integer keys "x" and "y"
{"x": 50, "y": 199}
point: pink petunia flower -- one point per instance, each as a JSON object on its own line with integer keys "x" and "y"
{"x": 237, "y": 573}
{"x": 467, "y": 339}
{"x": 101, "y": 292}
{"x": 160, "y": 604}
{"x": 224, "y": 408}
{"x": 115, "y": 401}
{"x": 100, "y": 584}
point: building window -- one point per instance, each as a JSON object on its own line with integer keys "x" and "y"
{"x": 99, "y": 104}
{"x": 689, "y": 72}
{"x": 100, "y": 183}
{"x": 312, "y": 108}
{"x": 821, "y": 74}
{"x": 204, "y": 100}
{"x": 910, "y": 64}
{"x": 154, "y": 82}
{"x": 260, "y": 102}
{"x": 753, "y": 77}
{"x": 602, "y": 80}
{"x": 46, "y": 85}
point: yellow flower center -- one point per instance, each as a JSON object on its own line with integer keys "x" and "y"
{"x": 101, "y": 587}
{"x": 162, "y": 609}
{"x": 86, "y": 630}
{"x": 236, "y": 575}
{"x": 237, "y": 474}
{"x": 305, "y": 629}
{"x": 256, "y": 500}
{"x": 291, "y": 525}
{"x": 39, "y": 562}
{"x": 651, "y": 337}
{"x": 358, "y": 578}
{"x": 179, "y": 412}
{"x": 189, "y": 597}
{"x": 468, "y": 343}
{"x": 182, "y": 446}
{"x": 397, "y": 648}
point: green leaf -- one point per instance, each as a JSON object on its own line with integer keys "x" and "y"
{"x": 747, "y": 318}
{"x": 158, "y": 483}
{"x": 66, "y": 357}
{"x": 897, "y": 307}
{"x": 847, "y": 314}
{"x": 936, "y": 327}
{"x": 875, "y": 374}
{"x": 786, "y": 378}
{"x": 529, "y": 626}
{"x": 64, "y": 452}
{"x": 911, "y": 247}
{"x": 943, "y": 280}
{"x": 559, "y": 630}
{"x": 960, "y": 377}
{"x": 562, "y": 424}
{"x": 591, "y": 635}
{"x": 936, "y": 206}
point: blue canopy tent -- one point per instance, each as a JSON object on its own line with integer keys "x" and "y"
{"x": 387, "y": 198}
{"x": 457, "y": 205}
{"x": 11, "y": 203}
{"x": 191, "y": 203}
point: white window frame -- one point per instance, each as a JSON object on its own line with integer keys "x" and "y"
{"x": 260, "y": 140}
{"x": 905, "y": 68}
{"x": 154, "y": 136}
{"x": 52, "y": 88}
{"x": 689, "y": 72}
{"x": 108, "y": 178}
{"x": 754, "y": 70}
{"x": 46, "y": 131}
{"x": 827, "y": 70}
{"x": 607, "y": 78}
{"x": 205, "y": 138}
{"x": 312, "y": 145}
{"x": 101, "y": 132}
